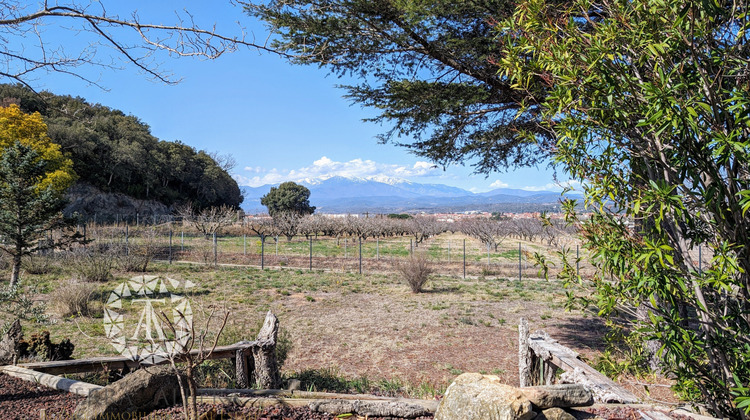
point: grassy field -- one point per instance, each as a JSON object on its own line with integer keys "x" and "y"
{"x": 367, "y": 329}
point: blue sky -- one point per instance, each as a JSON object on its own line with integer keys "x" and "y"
{"x": 280, "y": 122}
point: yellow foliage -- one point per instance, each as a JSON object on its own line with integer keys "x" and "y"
{"x": 30, "y": 130}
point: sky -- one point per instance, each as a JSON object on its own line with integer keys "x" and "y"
{"x": 280, "y": 122}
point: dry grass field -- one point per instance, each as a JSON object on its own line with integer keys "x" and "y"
{"x": 350, "y": 332}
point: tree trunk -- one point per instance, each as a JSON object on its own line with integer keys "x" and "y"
{"x": 15, "y": 273}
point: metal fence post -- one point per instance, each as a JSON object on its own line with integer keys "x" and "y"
{"x": 182, "y": 240}
{"x": 519, "y": 261}
{"x": 360, "y": 255}
{"x": 262, "y": 248}
{"x": 216, "y": 251}
{"x": 488, "y": 255}
{"x": 244, "y": 245}
{"x": 310, "y": 254}
{"x": 127, "y": 246}
{"x": 377, "y": 249}
{"x": 170, "y": 246}
{"x": 464, "y": 259}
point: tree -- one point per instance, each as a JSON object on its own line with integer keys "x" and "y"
{"x": 34, "y": 175}
{"x": 133, "y": 41}
{"x": 208, "y": 221}
{"x": 426, "y": 66}
{"x": 288, "y": 197}
{"x": 649, "y": 104}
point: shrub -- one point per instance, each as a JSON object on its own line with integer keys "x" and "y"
{"x": 416, "y": 270}
{"x": 137, "y": 257}
{"x": 94, "y": 264}
{"x": 40, "y": 347}
{"x": 38, "y": 264}
{"x": 72, "y": 299}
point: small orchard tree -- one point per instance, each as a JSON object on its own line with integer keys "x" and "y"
{"x": 34, "y": 175}
{"x": 209, "y": 220}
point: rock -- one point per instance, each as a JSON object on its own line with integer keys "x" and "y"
{"x": 473, "y": 396}
{"x": 555, "y": 413}
{"x": 137, "y": 394}
{"x": 9, "y": 343}
{"x": 566, "y": 395}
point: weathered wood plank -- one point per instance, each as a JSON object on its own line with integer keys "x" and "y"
{"x": 95, "y": 364}
{"x": 576, "y": 371}
{"x": 524, "y": 354}
{"x": 52, "y": 381}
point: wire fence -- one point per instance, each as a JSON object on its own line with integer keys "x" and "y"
{"x": 450, "y": 254}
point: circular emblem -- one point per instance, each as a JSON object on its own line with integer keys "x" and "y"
{"x": 164, "y": 322}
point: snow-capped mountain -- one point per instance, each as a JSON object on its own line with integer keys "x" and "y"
{"x": 380, "y": 194}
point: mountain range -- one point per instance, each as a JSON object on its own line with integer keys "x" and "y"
{"x": 338, "y": 194}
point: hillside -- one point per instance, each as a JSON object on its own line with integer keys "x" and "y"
{"x": 116, "y": 154}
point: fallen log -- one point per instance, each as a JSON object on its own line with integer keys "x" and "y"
{"x": 52, "y": 381}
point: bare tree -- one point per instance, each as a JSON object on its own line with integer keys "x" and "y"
{"x": 262, "y": 227}
{"x": 109, "y": 41}
{"x": 181, "y": 351}
{"x": 209, "y": 220}
{"x": 287, "y": 224}
{"x": 489, "y": 232}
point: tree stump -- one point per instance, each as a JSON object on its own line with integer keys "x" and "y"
{"x": 9, "y": 344}
{"x": 266, "y": 371}
{"x": 243, "y": 365}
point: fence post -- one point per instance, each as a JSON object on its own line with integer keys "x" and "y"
{"x": 377, "y": 249}
{"x": 262, "y": 248}
{"x": 449, "y": 252}
{"x": 310, "y": 254}
{"x": 346, "y": 250}
{"x": 411, "y": 246}
{"x": 277, "y": 247}
{"x": 170, "y": 246}
{"x": 127, "y": 246}
{"x": 182, "y": 240}
{"x": 360, "y": 255}
{"x": 519, "y": 261}
{"x": 577, "y": 261}
{"x": 488, "y": 255}
{"x": 216, "y": 251}
{"x": 464, "y": 259}
{"x": 84, "y": 234}
{"x": 244, "y": 245}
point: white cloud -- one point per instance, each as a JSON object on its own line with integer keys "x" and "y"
{"x": 556, "y": 186}
{"x": 326, "y": 168}
{"x": 499, "y": 184}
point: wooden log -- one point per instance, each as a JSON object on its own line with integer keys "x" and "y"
{"x": 96, "y": 364}
{"x": 576, "y": 371}
{"x": 266, "y": 372}
{"x": 296, "y": 394}
{"x": 524, "y": 354}
{"x": 428, "y": 406}
{"x": 9, "y": 343}
{"x": 52, "y": 381}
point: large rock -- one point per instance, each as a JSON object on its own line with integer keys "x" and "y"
{"x": 555, "y": 414}
{"x": 565, "y": 395}
{"x": 135, "y": 395}
{"x": 473, "y": 396}
{"x": 9, "y": 343}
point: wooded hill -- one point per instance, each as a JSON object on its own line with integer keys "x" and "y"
{"x": 116, "y": 153}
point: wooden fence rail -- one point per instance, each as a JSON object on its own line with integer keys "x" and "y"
{"x": 540, "y": 358}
